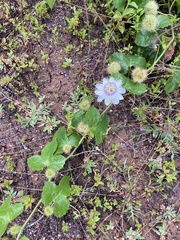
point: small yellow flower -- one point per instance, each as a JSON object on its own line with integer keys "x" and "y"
{"x": 139, "y": 75}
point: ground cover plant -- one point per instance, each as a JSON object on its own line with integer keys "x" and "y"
{"x": 89, "y": 119}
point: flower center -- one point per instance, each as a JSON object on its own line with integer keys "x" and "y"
{"x": 110, "y": 88}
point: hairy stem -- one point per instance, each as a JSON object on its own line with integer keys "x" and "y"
{"x": 27, "y": 220}
{"x": 107, "y": 108}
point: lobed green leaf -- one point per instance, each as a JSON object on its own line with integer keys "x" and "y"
{"x": 92, "y": 117}
{"x": 51, "y": 3}
{"x": 127, "y": 61}
{"x": 8, "y": 212}
{"x": 163, "y": 21}
{"x": 58, "y": 195}
{"x": 144, "y": 38}
{"x": 120, "y": 5}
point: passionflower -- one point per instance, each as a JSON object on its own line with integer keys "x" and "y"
{"x": 110, "y": 90}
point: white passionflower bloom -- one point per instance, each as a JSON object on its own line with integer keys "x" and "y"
{"x": 110, "y": 90}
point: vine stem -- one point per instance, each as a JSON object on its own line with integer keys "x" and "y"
{"x": 106, "y": 109}
{"x": 167, "y": 47}
{"x": 161, "y": 55}
{"x": 76, "y": 147}
{"x": 27, "y": 220}
{"x": 37, "y": 205}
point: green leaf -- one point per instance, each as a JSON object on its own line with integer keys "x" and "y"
{"x": 3, "y": 225}
{"x": 56, "y": 162}
{"x": 57, "y": 195}
{"x": 172, "y": 82}
{"x": 133, "y": 4}
{"x": 101, "y": 128}
{"x": 77, "y": 118}
{"x": 61, "y": 204}
{"x": 136, "y": 61}
{"x": 47, "y": 158}
{"x": 127, "y": 61}
{"x": 122, "y": 59}
{"x": 144, "y": 38}
{"x": 170, "y": 85}
{"x": 129, "y": 11}
{"x": 163, "y": 21}
{"x": 141, "y": 3}
{"x": 49, "y": 150}
{"x": 60, "y": 135}
{"x": 8, "y": 212}
{"x": 171, "y": 177}
{"x": 49, "y": 193}
{"x": 178, "y": 6}
{"x": 63, "y": 187}
{"x": 92, "y": 117}
{"x": 103, "y": 123}
{"x": 24, "y": 238}
{"x": 36, "y": 162}
{"x": 131, "y": 86}
{"x": 62, "y": 139}
{"x": 51, "y": 3}
{"x": 119, "y": 4}
{"x": 74, "y": 139}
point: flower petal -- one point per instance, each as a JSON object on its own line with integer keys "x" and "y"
{"x": 107, "y": 101}
{"x": 105, "y": 92}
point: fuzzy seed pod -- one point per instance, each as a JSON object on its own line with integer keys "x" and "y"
{"x": 67, "y": 148}
{"x": 85, "y": 105}
{"x": 83, "y": 128}
{"x": 50, "y": 173}
{"x": 149, "y": 23}
{"x": 48, "y": 211}
{"x": 14, "y": 230}
{"x": 113, "y": 67}
{"x": 151, "y": 8}
{"x": 139, "y": 75}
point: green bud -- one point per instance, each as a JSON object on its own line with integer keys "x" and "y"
{"x": 85, "y": 105}
{"x": 50, "y": 173}
{"x": 14, "y": 230}
{"x": 67, "y": 148}
{"x": 48, "y": 211}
